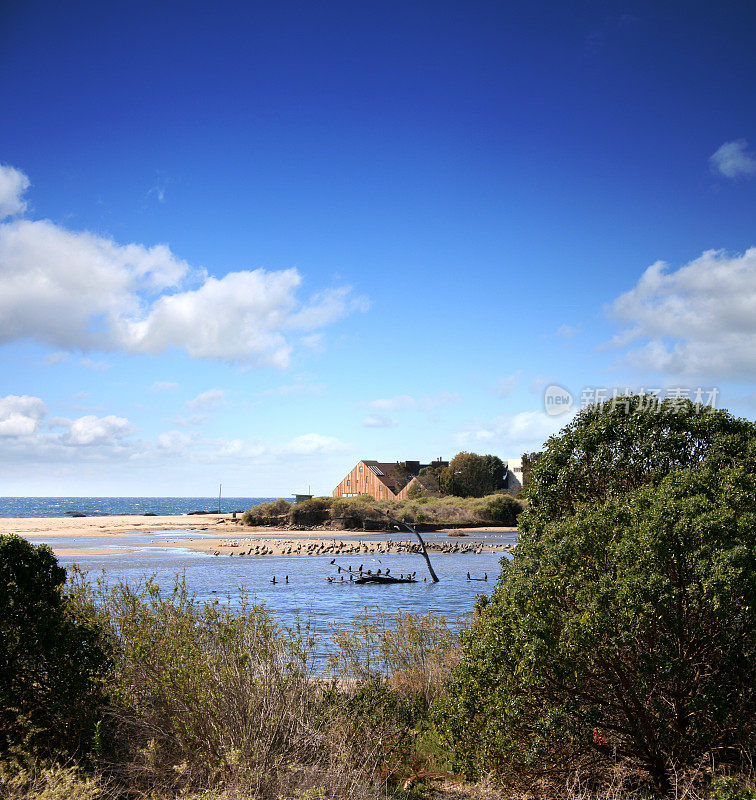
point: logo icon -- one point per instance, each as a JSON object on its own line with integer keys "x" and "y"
{"x": 557, "y": 400}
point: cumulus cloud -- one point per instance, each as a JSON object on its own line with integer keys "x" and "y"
{"x": 92, "y": 430}
{"x": 697, "y": 320}
{"x": 512, "y": 434}
{"x": 734, "y": 160}
{"x": 379, "y": 421}
{"x": 398, "y": 403}
{"x": 402, "y": 402}
{"x": 568, "y": 331}
{"x": 13, "y": 185}
{"x": 20, "y": 415}
{"x": 175, "y": 441}
{"x": 206, "y": 401}
{"x": 507, "y": 385}
{"x": 313, "y": 444}
{"x": 77, "y": 290}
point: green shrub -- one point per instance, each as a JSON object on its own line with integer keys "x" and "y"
{"x": 269, "y": 513}
{"x": 214, "y": 695}
{"x": 52, "y": 658}
{"x": 314, "y": 511}
{"x": 731, "y": 789}
{"x": 51, "y": 783}
{"x": 625, "y": 630}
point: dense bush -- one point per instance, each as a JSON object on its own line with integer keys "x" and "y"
{"x": 270, "y": 513}
{"x": 355, "y": 512}
{"x": 214, "y": 696}
{"x": 314, "y": 511}
{"x": 624, "y": 629}
{"x": 612, "y": 449}
{"x": 473, "y": 475}
{"x": 52, "y": 660}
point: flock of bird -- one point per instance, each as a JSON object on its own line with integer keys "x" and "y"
{"x": 288, "y": 547}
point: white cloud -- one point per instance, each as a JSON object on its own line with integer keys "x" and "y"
{"x": 13, "y": 184}
{"x": 294, "y": 389}
{"x": 95, "y": 366}
{"x": 398, "y": 403}
{"x": 734, "y": 160}
{"x": 73, "y": 290}
{"x": 433, "y": 401}
{"x": 507, "y": 385}
{"x": 92, "y": 430}
{"x": 207, "y": 401}
{"x": 404, "y": 401}
{"x": 379, "y": 421}
{"x": 56, "y": 358}
{"x": 175, "y": 441}
{"x": 513, "y": 434}
{"x": 77, "y": 290}
{"x": 697, "y": 320}
{"x": 164, "y": 386}
{"x": 20, "y": 415}
{"x": 313, "y": 444}
{"x": 568, "y": 331}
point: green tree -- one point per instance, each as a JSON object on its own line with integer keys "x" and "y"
{"x": 51, "y": 658}
{"x": 625, "y": 629}
{"x": 528, "y": 462}
{"x": 473, "y": 475}
{"x": 612, "y": 449}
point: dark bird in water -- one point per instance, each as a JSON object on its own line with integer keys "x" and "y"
{"x": 379, "y": 571}
{"x": 387, "y": 571}
{"x": 370, "y": 572}
{"x": 401, "y": 576}
{"x": 273, "y": 579}
{"x": 485, "y": 576}
{"x": 338, "y": 569}
{"x": 468, "y": 576}
{"x": 333, "y": 561}
{"x": 361, "y": 566}
{"x": 287, "y": 579}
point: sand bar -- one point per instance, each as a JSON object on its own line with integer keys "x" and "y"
{"x": 84, "y": 527}
{"x": 225, "y": 536}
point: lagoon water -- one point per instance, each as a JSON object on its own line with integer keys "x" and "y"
{"x": 307, "y": 596}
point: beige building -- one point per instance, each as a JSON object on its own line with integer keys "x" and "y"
{"x": 384, "y": 480}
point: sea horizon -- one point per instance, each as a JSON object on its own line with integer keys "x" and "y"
{"x": 117, "y": 505}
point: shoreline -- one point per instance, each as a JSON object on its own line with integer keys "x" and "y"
{"x": 224, "y": 536}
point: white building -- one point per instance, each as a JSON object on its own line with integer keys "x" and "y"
{"x": 513, "y": 478}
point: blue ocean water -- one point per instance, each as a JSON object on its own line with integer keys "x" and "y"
{"x": 110, "y": 506}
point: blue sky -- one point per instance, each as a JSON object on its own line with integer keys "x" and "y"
{"x": 251, "y": 243}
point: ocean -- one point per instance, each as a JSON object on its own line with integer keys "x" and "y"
{"x": 112, "y": 506}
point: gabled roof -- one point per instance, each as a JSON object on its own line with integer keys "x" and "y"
{"x": 388, "y": 474}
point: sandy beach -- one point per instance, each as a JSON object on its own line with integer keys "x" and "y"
{"x": 225, "y": 536}
{"x": 86, "y": 527}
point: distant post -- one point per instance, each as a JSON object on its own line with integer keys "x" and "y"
{"x": 220, "y": 487}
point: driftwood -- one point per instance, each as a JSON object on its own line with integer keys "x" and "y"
{"x": 424, "y": 552}
{"x": 360, "y": 577}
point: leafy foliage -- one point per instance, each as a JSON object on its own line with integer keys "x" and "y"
{"x": 473, "y": 475}
{"x": 625, "y": 626}
{"x": 612, "y": 449}
{"x": 52, "y": 660}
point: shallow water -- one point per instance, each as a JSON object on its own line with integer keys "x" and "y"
{"x": 307, "y": 596}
